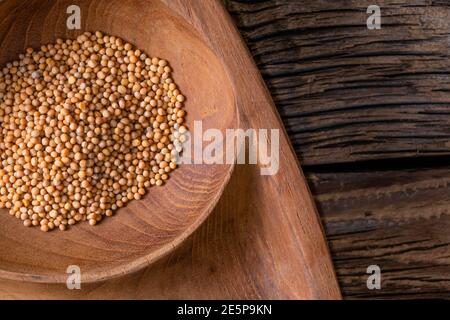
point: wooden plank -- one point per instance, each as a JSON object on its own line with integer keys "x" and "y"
{"x": 347, "y": 93}
{"x": 396, "y": 219}
{"x": 350, "y": 95}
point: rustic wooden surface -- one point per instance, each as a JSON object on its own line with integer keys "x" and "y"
{"x": 368, "y": 114}
{"x": 263, "y": 240}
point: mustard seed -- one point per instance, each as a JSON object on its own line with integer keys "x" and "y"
{"x": 87, "y": 125}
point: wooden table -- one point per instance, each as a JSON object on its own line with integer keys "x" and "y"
{"x": 368, "y": 112}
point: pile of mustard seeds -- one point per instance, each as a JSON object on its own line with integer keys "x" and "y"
{"x": 87, "y": 125}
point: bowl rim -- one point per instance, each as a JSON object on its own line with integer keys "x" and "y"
{"x": 129, "y": 266}
{"x": 146, "y": 260}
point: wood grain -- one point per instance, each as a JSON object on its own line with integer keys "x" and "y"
{"x": 395, "y": 218}
{"x": 264, "y": 239}
{"x": 367, "y": 114}
{"x": 347, "y": 93}
{"x": 238, "y": 253}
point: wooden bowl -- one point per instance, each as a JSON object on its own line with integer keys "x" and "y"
{"x": 147, "y": 229}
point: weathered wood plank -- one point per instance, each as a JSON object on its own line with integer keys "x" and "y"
{"x": 347, "y": 93}
{"x": 396, "y": 219}
{"x": 350, "y": 95}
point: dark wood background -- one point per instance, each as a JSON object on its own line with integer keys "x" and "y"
{"x": 368, "y": 112}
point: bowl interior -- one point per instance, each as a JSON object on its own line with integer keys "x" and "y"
{"x": 145, "y": 229}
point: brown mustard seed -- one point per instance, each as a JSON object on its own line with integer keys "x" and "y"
{"x": 87, "y": 125}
